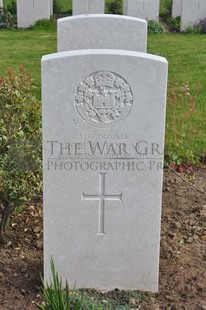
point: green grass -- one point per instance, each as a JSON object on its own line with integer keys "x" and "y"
{"x": 165, "y": 5}
{"x": 6, "y": 2}
{"x": 186, "y": 55}
{"x": 66, "y": 5}
{"x": 25, "y": 47}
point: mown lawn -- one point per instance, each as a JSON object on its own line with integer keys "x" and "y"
{"x": 25, "y": 47}
{"x": 186, "y": 55}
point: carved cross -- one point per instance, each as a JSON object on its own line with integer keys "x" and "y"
{"x": 102, "y": 197}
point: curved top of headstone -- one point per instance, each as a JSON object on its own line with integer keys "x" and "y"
{"x": 105, "y": 31}
{"x": 111, "y": 52}
{"x": 85, "y": 16}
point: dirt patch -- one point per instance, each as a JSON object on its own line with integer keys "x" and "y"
{"x": 21, "y": 262}
{"x": 182, "y": 260}
{"x": 183, "y": 244}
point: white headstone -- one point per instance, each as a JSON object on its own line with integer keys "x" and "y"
{"x": 192, "y": 12}
{"x": 87, "y": 7}
{"x": 176, "y": 8}
{"x": 146, "y": 9}
{"x": 1, "y": 4}
{"x": 126, "y": 33}
{"x": 103, "y": 133}
{"x": 29, "y": 11}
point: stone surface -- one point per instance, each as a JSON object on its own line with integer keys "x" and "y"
{"x": 192, "y": 12}
{"x": 146, "y": 9}
{"x": 29, "y": 11}
{"x": 103, "y": 136}
{"x": 126, "y": 33}
{"x": 87, "y": 7}
{"x": 176, "y": 8}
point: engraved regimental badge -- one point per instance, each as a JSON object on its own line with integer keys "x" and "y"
{"x": 103, "y": 99}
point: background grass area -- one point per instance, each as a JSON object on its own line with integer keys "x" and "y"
{"x": 66, "y": 5}
{"x": 25, "y": 47}
{"x": 186, "y": 55}
{"x": 165, "y": 5}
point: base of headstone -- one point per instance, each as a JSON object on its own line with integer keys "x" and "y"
{"x": 192, "y": 12}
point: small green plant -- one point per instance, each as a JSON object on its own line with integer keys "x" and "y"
{"x": 44, "y": 24}
{"x": 69, "y": 12}
{"x": 20, "y": 145}
{"x": 180, "y": 125}
{"x": 174, "y": 23}
{"x": 155, "y": 27}
{"x": 6, "y": 19}
{"x": 56, "y": 297}
{"x": 198, "y": 28}
{"x": 114, "y": 7}
{"x": 11, "y": 6}
{"x": 202, "y": 25}
{"x": 57, "y": 7}
{"x": 191, "y": 30}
